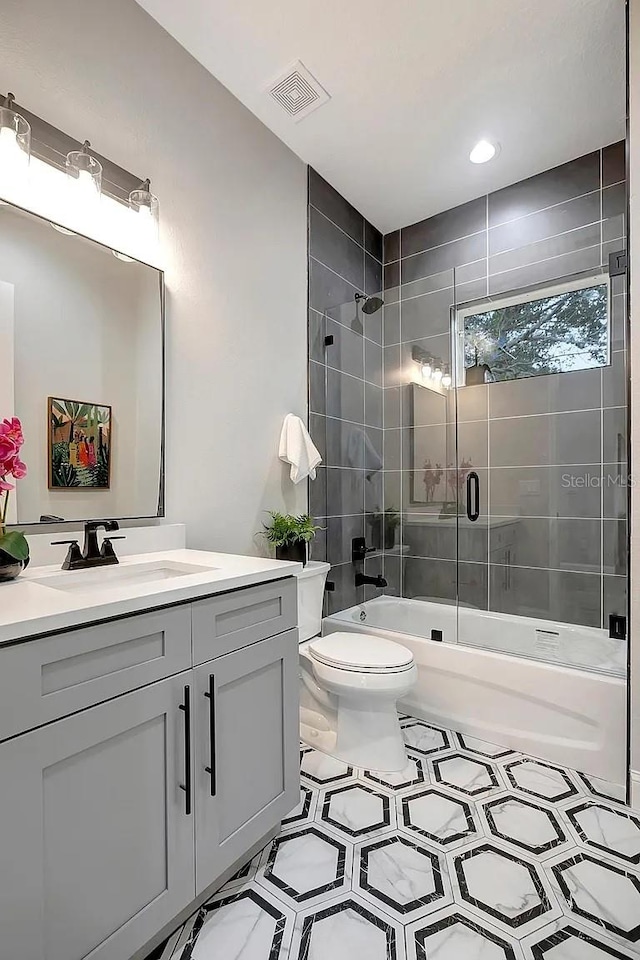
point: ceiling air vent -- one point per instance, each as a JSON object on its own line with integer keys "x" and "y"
{"x": 298, "y": 92}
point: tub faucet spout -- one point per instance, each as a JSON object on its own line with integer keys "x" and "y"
{"x": 377, "y": 581}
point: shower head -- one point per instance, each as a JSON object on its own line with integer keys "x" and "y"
{"x": 371, "y": 304}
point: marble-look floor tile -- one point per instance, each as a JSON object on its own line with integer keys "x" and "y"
{"x": 445, "y": 820}
{"x": 347, "y": 929}
{"x": 484, "y": 749}
{"x": 414, "y": 774}
{"x": 542, "y": 780}
{"x": 510, "y": 891}
{"x": 305, "y": 866}
{"x": 609, "y": 829}
{"x": 357, "y": 810}
{"x": 402, "y": 876}
{"x": 454, "y": 934}
{"x": 304, "y": 812}
{"x": 247, "y": 925}
{"x": 603, "y": 789}
{"x": 425, "y": 739}
{"x": 568, "y": 940}
{"x": 524, "y": 824}
{"x": 319, "y": 769}
{"x": 600, "y": 893}
{"x": 475, "y": 851}
{"x": 469, "y": 775}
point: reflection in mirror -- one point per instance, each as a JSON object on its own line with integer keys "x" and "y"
{"x": 81, "y": 365}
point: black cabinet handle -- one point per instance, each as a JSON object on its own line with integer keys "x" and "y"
{"x": 186, "y": 786}
{"x": 210, "y": 695}
{"x": 473, "y": 496}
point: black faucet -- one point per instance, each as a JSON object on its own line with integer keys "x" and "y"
{"x": 91, "y": 554}
{"x": 377, "y": 581}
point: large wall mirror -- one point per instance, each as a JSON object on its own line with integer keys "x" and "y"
{"x": 81, "y": 365}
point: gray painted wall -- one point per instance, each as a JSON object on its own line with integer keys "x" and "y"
{"x": 233, "y": 232}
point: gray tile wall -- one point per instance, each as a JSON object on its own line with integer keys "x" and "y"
{"x": 552, "y": 449}
{"x": 345, "y": 384}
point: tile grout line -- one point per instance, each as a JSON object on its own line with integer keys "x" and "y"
{"x": 501, "y": 223}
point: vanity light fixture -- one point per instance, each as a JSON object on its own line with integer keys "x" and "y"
{"x": 147, "y": 207}
{"x": 85, "y": 173}
{"x": 15, "y": 142}
{"x": 484, "y": 151}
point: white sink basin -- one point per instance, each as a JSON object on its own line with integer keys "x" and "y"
{"x": 102, "y": 579}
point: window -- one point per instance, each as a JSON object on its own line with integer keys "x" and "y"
{"x": 555, "y": 330}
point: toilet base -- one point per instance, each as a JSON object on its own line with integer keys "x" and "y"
{"x": 371, "y": 739}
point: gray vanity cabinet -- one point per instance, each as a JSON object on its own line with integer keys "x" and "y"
{"x": 177, "y": 753}
{"x": 100, "y": 787}
{"x": 246, "y": 777}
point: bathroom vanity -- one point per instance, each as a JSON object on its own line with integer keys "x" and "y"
{"x": 148, "y": 743}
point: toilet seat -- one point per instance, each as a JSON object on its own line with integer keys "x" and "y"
{"x": 361, "y": 652}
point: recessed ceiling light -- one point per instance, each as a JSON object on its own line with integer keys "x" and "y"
{"x": 483, "y": 151}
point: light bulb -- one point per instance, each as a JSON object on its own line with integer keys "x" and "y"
{"x": 14, "y": 161}
{"x": 437, "y": 375}
{"x": 426, "y": 371}
{"x": 483, "y": 151}
{"x": 446, "y": 381}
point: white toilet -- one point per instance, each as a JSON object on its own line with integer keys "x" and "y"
{"x": 349, "y": 685}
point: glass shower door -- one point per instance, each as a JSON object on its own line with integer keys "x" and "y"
{"x": 541, "y": 472}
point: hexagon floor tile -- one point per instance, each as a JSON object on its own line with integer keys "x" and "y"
{"x": 401, "y": 876}
{"x": 319, "y": 769}
{"x": 357, "y": 810}
{"x": 472, "y": 852}
{"x": 443, "y": 819}
{"x": 509, "y": 891}
{"x": 454, "y": 934}
{"x": 568, "y": 940}
{"x": 425, "y": 739}
{"x": 542, "y": 780}
{"x": 524, "y": 824}
{"x": 613, "y": 831}
{"x": 413, "y": 775}
{"x": 344, "y": 929}
{"x": 305, "y": 865}
{"x": 600, "y": 893}
{"x": 484, "y": 749}
{"x": 469, "y": 775}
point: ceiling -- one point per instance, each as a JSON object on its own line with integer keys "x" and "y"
{"x": 415, "y": 83}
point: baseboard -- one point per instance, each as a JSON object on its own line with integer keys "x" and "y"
{"x": 635, "y": 789}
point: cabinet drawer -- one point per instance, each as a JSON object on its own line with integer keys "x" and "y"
{"x": 234, "y": 620}
{"x": 42, "y": 680}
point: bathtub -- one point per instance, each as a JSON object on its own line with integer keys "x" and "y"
{"x": 572, "y": 715}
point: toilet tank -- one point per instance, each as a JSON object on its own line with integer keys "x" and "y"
{"x": 311, "y": 581}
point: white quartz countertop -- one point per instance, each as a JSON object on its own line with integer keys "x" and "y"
{"x": 28, "y": 607}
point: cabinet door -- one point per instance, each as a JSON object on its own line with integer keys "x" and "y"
{"x": 96, "y": 848}
{"x": 247, "y": 772}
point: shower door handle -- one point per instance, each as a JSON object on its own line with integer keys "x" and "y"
{"x": 473, "y": 496}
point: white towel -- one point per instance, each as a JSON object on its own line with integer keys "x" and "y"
{"x": 298, "y": 449}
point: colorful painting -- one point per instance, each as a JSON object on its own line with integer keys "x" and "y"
{"x": 79, "y": 444}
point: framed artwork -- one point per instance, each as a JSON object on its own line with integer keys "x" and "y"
{"x": 79, "y": 441}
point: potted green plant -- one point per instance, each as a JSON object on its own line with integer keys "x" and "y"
{"x": 290, "y": 535}
{"x": 383, "y": 528}
{"x": 14, "y": 549}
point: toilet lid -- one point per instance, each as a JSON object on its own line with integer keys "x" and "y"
{"x": 360, "y": 651}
